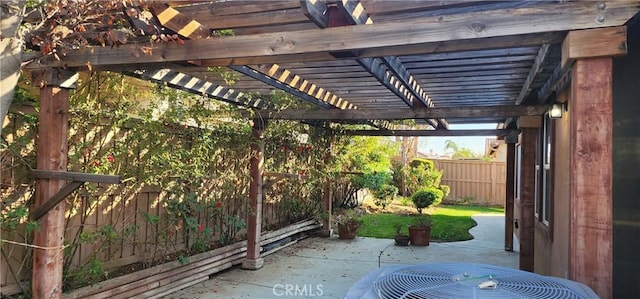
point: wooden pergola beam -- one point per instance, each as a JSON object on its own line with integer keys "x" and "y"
{"x": 290, "y": 83}
{"x": 431, "y": 133}
{"x": 533, "y": 73}
{"x": 195, "y": 85}
{"x": 423, "y": 36}
{"x": 247, "y": 71}
{"x": 406, "y": 113}
{"x": 407, "y": 87}
{"x": 599, "y": 42}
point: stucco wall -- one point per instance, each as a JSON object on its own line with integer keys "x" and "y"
{"x": 551, "y": 250}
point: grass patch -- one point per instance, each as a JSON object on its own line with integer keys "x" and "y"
{"x": 449, "y": 223}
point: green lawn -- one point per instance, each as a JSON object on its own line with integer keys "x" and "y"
{"x": 449, "y": 223}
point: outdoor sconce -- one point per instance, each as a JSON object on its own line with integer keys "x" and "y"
{"x": 556, "y": 111}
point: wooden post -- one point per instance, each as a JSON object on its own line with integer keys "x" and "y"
{"x": 253, "y": 260}
{"x": 510, "y": 196}
{"x": 328, "y": 201}
{"x": 528, "y": 144}
{"x": 590, "y": 109}
{"x": 52, "y": 151}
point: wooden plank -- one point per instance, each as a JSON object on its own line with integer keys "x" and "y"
{"x": 509, "y": 196}
{"x": 286, "y": 80}
{"x": 181, "y": 284}
{"x": 198, "y": 86}
{"x": 255, "y": 19}
{"x": 516, "y": 72}
{"x": 120, "y": 284}
{"x": 316, "y": 11}
{"x": 502, "y": 52}
{"x": 591, "y": 124}
{"x": 423, "y": 34}
{"x": 528, "y": 173}
{"x": 202, "y": 264}
{"x": 52, "y": 151}
{"x": 273, "y": 82}
{"x": 76, "y": 176}
{"x": 469, "y": 61}
{"x": 55, "y": 199}
{"x": 483, "y": 67}
{"x": 594, "y": 43}
{"x": 406, "y": 113}
{"x": 533, "y": 73}
{"x": 208, "y": 10}
{"x": 254, "y": 223}
{"x": 529, "y": 122}
{"x": 410, "y": 93}
{"x": 178, "y": 22}
{"x": 484, "y": 132}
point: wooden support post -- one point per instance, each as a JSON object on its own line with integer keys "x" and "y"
{"x": 510, "y": 196}
{"x": 253, "y": 260}
{"x": 590, "y": 109}
{"x": 328, "y": 201}
{"x": 52, "y": 151}
{"x": 528, "y": 144}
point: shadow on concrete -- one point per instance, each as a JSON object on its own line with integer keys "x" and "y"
{"x": 326, "y": 268}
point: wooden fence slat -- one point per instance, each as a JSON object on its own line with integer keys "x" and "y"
{"x": 481, "y": 180}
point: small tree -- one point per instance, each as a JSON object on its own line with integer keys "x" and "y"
{"x": 384, "y": 195}
{"x": 426, "y": 198}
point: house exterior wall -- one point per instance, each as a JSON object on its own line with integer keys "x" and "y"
{"x": 626, "y": 168}
{"x": 552, "y": 253}
{"x": 552, "y": 247}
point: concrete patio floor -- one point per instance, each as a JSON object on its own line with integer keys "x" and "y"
{"x": 327, "y": 268}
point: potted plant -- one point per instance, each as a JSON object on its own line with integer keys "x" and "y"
{"x": 348, "y": 224}
{"x": 401, "y": 238}
{"x": 420, "y": 231}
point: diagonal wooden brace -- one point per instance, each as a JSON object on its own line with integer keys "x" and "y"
{"x": 77, "y": 179}
{"x": 55, "y": 199}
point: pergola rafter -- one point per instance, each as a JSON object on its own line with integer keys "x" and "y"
{"x": 191, "y": 28}
{"x": 387, "y": 70}
{"x": 198, "y": 86}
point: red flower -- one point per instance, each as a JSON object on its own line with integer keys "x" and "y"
{"x": 299, "y": 149}
{"x": 111, "y": 159}
{"x": 218, "y": 204}
{"x": 200, "y": 227}
{"x": 96, "y": 163}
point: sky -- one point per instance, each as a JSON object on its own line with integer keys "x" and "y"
{"x": 476, "y": 143}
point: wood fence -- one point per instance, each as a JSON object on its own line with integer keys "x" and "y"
{"x": 474, "y": 182}
{"x": 134, "y": 223}
{"x": 140, "y": 228}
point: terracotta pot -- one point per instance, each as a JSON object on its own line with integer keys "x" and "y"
{"x": 347, "y": 230}
{"x": 401, "y": 240}
{"x": 419, "y": 235}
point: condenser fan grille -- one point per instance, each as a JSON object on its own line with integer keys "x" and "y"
{"x": 464, "y": 280}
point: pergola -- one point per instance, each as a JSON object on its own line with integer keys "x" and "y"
{"x": 371, "y": 62}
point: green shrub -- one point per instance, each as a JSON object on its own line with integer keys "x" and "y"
{"x": 384, "y": 195}
{"x": 421, "y": 174}
{"x": 428, "y": 164}
{"x": 445, "y": 191}
{"x": 427, "y": 197}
